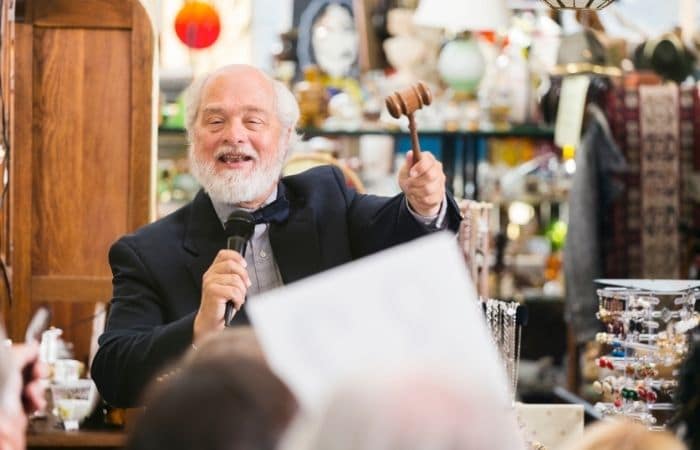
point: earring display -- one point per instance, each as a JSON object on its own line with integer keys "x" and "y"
{"x": 644, "y": 342}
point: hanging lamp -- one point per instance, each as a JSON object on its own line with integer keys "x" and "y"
{"x": 197, "y": 24}
{"x": 578, "y": 4}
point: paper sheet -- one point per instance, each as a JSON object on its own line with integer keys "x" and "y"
{"x": 413, "y": 304}
{"x": 652, "y": 285}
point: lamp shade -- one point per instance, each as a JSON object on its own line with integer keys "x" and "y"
{"x": 462, "y": 15}
{"x": 578, "y": 4}
{"x": 197, "y": 24}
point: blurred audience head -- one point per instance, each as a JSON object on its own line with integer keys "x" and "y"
{"x": 221, "y": 398}
{"x": 408, "y": 410}
{"x": 13, "y": 421}
{"x": 235, "y": 342}
{"x": 625, "y": 435}
{"x": 688, "y": 397}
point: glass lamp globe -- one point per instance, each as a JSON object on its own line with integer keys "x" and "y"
{"x": 578, "y": 4}
{"x": 461, "y": 64}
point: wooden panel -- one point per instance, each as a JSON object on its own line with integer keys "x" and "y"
{"x": 81, "y": 149}
{"x": 82, "y": 14}
{"x": 71, "y": 289}
{"x": 21, "y": 182}
{"x": 143, "y": 149}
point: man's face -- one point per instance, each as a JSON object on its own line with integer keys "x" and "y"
{"x": 238, "y": 143}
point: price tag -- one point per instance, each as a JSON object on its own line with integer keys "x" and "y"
{"x": 572, "y": 103}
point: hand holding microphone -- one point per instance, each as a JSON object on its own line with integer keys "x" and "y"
{"x": 225, "y": 283}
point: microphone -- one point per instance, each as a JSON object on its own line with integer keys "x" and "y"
{"x": 239, "y": 227}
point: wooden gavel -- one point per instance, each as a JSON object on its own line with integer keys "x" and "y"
{"x": 406, "y": 102}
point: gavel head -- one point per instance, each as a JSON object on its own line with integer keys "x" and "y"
{"x": 409, "y": 100}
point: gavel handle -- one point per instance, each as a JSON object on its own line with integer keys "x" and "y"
{"x": 414, "y": 138}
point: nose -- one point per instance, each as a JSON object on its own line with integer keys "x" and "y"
{"x": 236, "y": 133}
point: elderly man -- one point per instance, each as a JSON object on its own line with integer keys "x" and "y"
{"x": 172, "y": 279}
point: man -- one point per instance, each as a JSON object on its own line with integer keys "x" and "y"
{"x": 171, "y": 278}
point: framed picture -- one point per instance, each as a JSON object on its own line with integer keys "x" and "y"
{"x": 328, "y": 36}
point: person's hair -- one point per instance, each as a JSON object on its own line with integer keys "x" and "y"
{"x": 624, "y": 435}
{"x": 234, "y": 342}
{"x": 215, "y": 404}
{"x": 688, "y": 396}
{"x": 408, "y": 410}
{"x": 286, "y": 105}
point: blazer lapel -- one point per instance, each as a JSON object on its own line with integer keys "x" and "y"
{"x": 204, "y": 237}
{"x": 295, "y": 243}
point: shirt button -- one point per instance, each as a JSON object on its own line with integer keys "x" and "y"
{"x": 263, "y": 254}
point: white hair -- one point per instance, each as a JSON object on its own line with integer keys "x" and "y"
{"x": 408, "y": 410}
{"x": 286, "y": 106}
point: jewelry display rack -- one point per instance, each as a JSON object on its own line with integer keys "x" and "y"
{"x": 644, "y": 342}
{"x": 505, "y": 320}
{"x": 474, "y": 242}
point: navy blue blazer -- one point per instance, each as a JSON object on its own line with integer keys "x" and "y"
{"x": 157, "y": 271}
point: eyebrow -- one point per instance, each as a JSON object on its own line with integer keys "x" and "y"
{"x": 247, "y": 109}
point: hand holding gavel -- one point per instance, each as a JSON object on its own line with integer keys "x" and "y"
{"x": 406, "y": 102}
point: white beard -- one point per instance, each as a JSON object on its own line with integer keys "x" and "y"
{"x": 232, "y": 186}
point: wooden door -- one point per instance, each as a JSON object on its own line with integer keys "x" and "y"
{"x": 81, "y": 155}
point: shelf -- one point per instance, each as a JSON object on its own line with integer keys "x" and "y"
{"x": 516, "y": 131}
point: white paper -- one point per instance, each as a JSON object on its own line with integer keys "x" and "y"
{"x": 410, "y": 305}
{"x": 652, "y": 285}
{"x": 572, "y": 103}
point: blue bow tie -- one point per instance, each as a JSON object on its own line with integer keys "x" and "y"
{"x": 275, "y": 212}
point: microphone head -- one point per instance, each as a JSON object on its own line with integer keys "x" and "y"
{"x": 240, "y": 223}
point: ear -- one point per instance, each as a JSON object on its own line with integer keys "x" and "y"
{"x": 286, "y": 140}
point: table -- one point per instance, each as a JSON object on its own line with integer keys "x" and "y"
{"x": 45, "y": 434}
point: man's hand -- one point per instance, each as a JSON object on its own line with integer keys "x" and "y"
{"x": 226, "y": 279}
{"x": 423, "y": 183}
{"x": 26, "y": 358}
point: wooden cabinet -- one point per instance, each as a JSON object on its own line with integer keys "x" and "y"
{"x": 79, "y": 79}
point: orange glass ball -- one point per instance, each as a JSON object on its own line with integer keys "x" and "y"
{"x": 197, "y": 24}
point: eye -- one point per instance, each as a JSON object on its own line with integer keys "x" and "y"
{"x": 215, "y": 122}
{"x": 254, "y": 123}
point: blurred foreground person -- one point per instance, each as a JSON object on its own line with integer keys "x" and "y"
{"x": 687, "y": 398}
{"x": 224, "y": 397}
{"x": 20, "y": 391}
{"x": 230, "y": 343}
{"x": 624, "y": 435}
{"x": 408, "y": 410}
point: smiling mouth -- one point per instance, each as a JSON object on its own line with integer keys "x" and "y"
{"x": 233, "y": 158}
